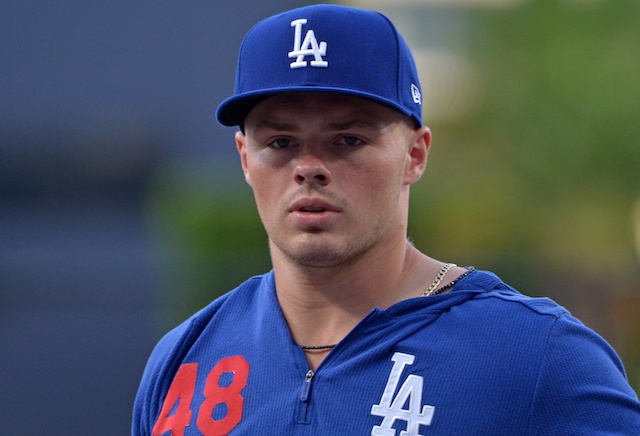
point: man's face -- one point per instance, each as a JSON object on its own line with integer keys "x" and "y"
{"x": 330, "y": 175}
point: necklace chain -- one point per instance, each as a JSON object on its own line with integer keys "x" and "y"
{"x": 431, "y": 290}
{"x": 318, "y": 347}
{"x": 451, "y": 284}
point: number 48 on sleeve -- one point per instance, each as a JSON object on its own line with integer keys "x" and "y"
{"x": 176, "y": 411}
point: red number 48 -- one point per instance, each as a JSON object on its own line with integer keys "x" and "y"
{"x": 181, "y": 393}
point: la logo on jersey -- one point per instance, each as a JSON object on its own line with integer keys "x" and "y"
{"x": 410, "y": 394}
{"x": 308, "y": 47}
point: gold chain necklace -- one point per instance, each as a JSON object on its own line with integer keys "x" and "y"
{"x": 431, "y": 290}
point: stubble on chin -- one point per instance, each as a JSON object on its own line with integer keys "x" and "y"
{"x": 313, "y": 252}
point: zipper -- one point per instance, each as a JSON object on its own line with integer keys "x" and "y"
{"x": 306, "y": 386}
{"x": 305, "y": 393}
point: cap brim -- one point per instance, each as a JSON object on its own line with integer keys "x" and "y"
{"x": 234, "y": 110}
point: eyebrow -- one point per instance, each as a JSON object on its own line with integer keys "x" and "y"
{"x": 350, "y": 124}
{"x": 274, "y": 125}
{"x": 333, "y": 126}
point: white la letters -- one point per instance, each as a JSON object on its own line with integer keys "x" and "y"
{"x": 391, "y": 409}
{"x": 308, "y": 47}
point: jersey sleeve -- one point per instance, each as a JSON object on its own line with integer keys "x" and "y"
{"x": 582, "y": 387}
{"x": 158, "y": 375}
{"x": 145, "y": 404}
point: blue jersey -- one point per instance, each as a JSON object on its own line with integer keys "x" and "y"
{"x": 481, "y": 359}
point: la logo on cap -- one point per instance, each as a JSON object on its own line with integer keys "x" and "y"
{"x": 308, "y": 47}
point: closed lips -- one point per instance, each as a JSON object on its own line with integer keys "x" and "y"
{"x": 312, "y": 206}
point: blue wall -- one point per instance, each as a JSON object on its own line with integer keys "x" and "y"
{"x": 94, "y": 97}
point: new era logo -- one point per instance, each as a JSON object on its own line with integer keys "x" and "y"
{"x": 415, "y": 93}
{"x": 308, "y": 47}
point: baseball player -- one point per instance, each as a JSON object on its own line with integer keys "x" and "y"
{"x": 354, "y": 331}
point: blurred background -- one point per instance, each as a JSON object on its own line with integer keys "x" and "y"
{"x": 123, "y": 208}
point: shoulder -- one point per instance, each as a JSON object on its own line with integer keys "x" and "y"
{"x": 580, "y": 382}
{"x": 539, "y": 324}
{"x": 582, "y": 385}
{"x": 170, "y": 351}
{"x": 183, "y": 336}
{"x": 493, "y": 294}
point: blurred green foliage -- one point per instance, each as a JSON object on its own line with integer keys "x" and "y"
{"x": 208, "y": 235}
{"x": 545, "y": 168}
{"x": 537, "y": 182}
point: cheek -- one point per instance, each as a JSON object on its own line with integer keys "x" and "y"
{"x": 372, "y": 190}
{"x": 263, "y": 186}
{"x": 386, "y": 175}
{"x": 267, "y": 185}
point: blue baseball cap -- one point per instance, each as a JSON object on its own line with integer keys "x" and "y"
{"x": 324, "y": 48}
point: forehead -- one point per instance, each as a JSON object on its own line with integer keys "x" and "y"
{"x": 307, "y": 107}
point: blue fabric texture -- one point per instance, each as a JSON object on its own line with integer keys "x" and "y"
{"x": 480, "y": 360}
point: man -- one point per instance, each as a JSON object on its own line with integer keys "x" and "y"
{"x": 355, "y": 331}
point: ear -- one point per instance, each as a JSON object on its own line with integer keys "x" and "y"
{"x": 241, "y": 146}
{"x": 417, "y": 154}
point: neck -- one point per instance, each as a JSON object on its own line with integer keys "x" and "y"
{"x": 321, "y": 305}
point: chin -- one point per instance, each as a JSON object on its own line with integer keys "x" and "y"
{"x": 320, "y": 260}
{"x": 311, "y": 254}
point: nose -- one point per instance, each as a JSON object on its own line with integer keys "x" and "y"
{"x": 311, "y": 169}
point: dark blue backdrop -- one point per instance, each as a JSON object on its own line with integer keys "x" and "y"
{"x": 93, "y": 96}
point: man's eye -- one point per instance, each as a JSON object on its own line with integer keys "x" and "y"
{"x": 281, "y": 143}
{"x": 351, "y": 141}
